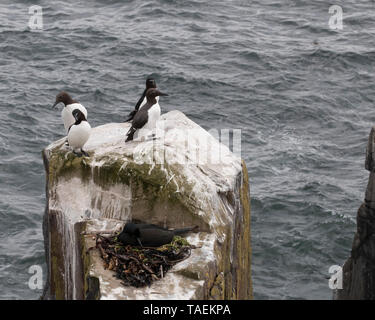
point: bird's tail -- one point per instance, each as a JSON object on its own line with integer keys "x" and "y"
{"x": 130, "y": 134}
{"x": 185, "y": 230}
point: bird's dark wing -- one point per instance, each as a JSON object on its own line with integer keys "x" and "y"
{"x": 127, "y": 239}
{"x": 140, "y": 118}
{"x": 155, "y": 237}
{"x": 139, "y": 121}
{"x": 149, "y": 235}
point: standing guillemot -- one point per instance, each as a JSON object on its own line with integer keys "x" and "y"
{"x": 79, "y": 132}
{"x": 146, "y": 117}
{"x": 69, "y": 106}
{"x": 149, "y": 235}
{"x": 150, "y": 83}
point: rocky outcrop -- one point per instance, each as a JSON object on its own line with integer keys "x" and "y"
{"x": 183, "y": 177}
{"x": 359, "y": 269}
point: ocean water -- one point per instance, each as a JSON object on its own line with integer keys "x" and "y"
{"x": 301, "y": 93}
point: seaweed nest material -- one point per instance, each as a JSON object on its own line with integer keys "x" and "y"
{"x": 140, "y": 266}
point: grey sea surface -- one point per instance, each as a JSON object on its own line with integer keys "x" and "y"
{"x": 301, "y": 93}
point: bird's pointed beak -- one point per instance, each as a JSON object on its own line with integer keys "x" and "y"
{"x": 55, "y": 104}
{"x": 163, "y": 94}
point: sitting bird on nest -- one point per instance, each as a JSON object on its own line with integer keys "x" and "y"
{"x": 149, "y": 235}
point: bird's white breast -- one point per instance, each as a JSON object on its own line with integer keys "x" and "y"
{"x": 153, "y": 116}
{"x": 79, "y": 134}
{"x": 145, "y": 100}
{"x": 67, "y": 116}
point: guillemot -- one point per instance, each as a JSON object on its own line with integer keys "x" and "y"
{"x": 146, "y": 117}
{"x": 69, "y": 106}
{"x": 79, "y": 132}
{"x": 149, "y": 235}
{"x": 150, "y": 83}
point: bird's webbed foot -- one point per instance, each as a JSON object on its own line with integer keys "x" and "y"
{"x": 85, "y": 153}
{"x": 139, "y": 241}
{"x": 78, "y": 154}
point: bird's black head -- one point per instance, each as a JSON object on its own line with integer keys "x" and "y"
{"x": 152, "y": 93}
{"x": 132, "y": 229}
{"x": 63, "y": 97}
{"x": 79, "y": 116}
{"x": 150, "y": 83}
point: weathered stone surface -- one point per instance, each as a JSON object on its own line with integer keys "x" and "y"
{"x": 143, "y": 180}
{"x": 359, "y": 269}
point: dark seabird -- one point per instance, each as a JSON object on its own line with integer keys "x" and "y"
{"x": 149, "y": 235}
{"x": 69, "y": 106}
{"x": 148, "y": 115}
{"x": 150, "y": 83}
{"x": 79, "y": 132}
